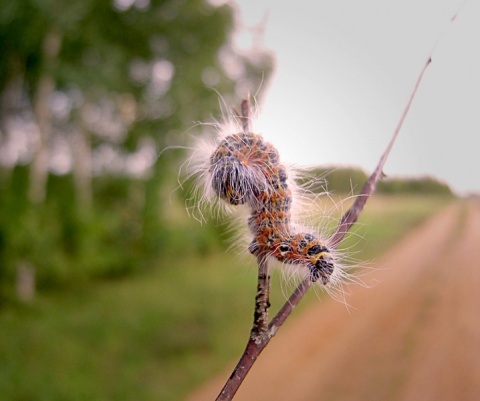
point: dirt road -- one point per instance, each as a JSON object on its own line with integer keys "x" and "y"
{"x": 414, "y": 336}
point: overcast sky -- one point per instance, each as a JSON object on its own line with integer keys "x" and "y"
{"x": 345, "y": 70}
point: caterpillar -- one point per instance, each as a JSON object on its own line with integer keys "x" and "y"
{"x": 244, "y": 169}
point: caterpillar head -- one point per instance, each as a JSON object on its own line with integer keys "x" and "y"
{"x": 307, "y": 250}
{"x": 231, "y": 180}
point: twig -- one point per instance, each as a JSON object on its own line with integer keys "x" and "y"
{"x": 261, "y": 333}
{"x": 262, "y": 303}
{"x": 262, "y": 300}
{"x": 249, "y": 356}
{"x": 288, "y": 307}
{"x": 259, "y": 336}
{"x": 370, "y": 185}
{"x": 246, "y": 115}
{"x": 351, "y": 216}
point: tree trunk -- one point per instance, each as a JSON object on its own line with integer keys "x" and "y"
{"x": 82, "y": 167}
{"x": 43, "y": 117}
{"x": 10, "y": 104}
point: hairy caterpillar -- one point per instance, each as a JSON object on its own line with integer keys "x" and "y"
{"x": 244, "y": 169}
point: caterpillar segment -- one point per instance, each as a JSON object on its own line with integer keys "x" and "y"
{"x": 247, "y": 170}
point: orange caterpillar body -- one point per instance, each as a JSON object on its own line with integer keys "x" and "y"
{"x": 244, "y": 169}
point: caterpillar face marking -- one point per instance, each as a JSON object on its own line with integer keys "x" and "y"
{"x": 312, "y": 253}
{"x": 244, "y": 169}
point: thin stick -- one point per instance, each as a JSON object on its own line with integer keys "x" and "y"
{"x": 262, "y": 300}
{"x": 260, "y": 334}
{"x": 246, "y": 116}
{"x": 249, "y": 356}
{"x": 351, "y": 216}
{"x": 289, "y": 306}
{"x": 370, "y": 185}
{"x": 260, "y": 337}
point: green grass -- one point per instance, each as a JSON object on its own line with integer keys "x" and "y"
{"x": 157, "y": 335}
{"x": 143, "y": 338}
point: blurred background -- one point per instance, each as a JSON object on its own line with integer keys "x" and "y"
{"x": 108, "y": 290}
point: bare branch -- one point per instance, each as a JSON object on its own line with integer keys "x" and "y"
{"x": 288, "y": 307}
{"x": 371, "y": 184}
{"x": 246, "y": 116}
{"x": 262, "y": 299}
{"x": 261, "y": 333}
{"x": 249, "y": 356}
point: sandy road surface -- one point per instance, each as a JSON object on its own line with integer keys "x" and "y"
{"x": 414, "y": 336}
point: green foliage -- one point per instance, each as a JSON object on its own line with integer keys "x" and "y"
{"x": 68, "y": 244}
{"x": 350, "y": 180}
{"x": 120, "y": 73}
{"x": 418, "y": 185}
{"x": 338, "y": 180}
{"x": 158, "y": 53}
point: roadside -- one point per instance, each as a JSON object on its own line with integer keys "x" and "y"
{"x": 415, "y": 335}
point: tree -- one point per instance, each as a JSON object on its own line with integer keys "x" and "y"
{"x": 110, "y": 74}
{"x": 96, "y": 89}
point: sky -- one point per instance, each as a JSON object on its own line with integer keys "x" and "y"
{"x": 345, "y": 70}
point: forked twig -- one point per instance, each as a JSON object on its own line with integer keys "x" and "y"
{"x": 261, "y": 333}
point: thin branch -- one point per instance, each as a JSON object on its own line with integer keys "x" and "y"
{"x": 249, "y": 356}
{"x": 289, "y": 306}
{"x": 370, "y": 185}
{"x": 351, "y": 216}
{"x": 261, "y": 334}
{"x": 246, "y": 116}
{"x": 262, "y": 300}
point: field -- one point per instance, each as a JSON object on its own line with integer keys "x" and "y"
{"x": 160, "y": 334}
